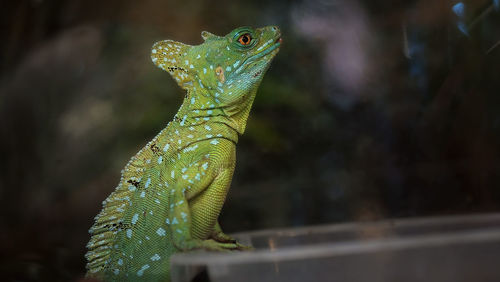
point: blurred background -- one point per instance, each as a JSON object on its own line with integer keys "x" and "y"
{"x": 371, "y": 110}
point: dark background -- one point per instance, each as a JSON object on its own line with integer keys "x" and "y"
{"x": 371, "y": 110}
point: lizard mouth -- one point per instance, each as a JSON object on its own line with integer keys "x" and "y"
{"x": 275, "y": 45}
{"x": 271, "y": 50}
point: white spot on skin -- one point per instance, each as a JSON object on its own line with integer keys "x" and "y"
{"x": 135, "y": 218}
{"x": 197, "y": 57}
{"x": 214, "y": 142}
{"x": 193, "y": 100}
{"x": 192, "y": 148}
{"x": 191, "y": 66}
{"x": 228, "y": 68}
{"x": 148, "y": 182}
{"x": 153, "y": 51}
{"x": 140, "y": 272}
{"x": 183, "y": 169}
{"x": 131, "y": 188}
{"x": 161, "y": 232}
{"x": 172, "y": 174}
{"x": 204, "y": 166}
{"x": 120, "y": 262}
{"x": 116, "y": 271}
{"x": 209, "y": 135}
{"x": 183, "y": 120}
{"x": 160, "y": 159}
{"x": 207, "y": 127}
{"x": 236, "y": 64}
{"x": 166, "y": 147}
{"x": 129, "y": 233}
{"x": 174, "y": 221}
{"x": 143, "y": 194}
{"x": 155, "y": 257}
{"x": 187, "y": 62}
{"x": 204, "y": 71}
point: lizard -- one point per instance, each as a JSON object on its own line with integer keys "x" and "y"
{"x": 171, "y": 192}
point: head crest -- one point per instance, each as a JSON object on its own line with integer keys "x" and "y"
{"x": 207, "y": 35}
{"x": 171, "y": 56}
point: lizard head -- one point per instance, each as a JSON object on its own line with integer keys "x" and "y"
{"x": 227, "y": 68}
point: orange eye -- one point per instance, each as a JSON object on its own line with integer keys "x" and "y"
{"x": 245, "y": 39}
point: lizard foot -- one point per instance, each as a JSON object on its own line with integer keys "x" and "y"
{"x": 242, "y": 247}
{"x": 210, "y": 245}
{"x": 224, "y": 238}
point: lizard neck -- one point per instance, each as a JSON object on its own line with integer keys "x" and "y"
{"x": 202, "y": 108}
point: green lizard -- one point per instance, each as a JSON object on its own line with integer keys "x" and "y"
{"x": 172, "y": 191}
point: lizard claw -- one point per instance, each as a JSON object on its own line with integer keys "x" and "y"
{"x": 210, "y": 245}
{"x": 223, "y": 238}
{"x": 241, "y": 247}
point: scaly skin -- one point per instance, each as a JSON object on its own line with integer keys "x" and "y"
{"x": 172, "y": 191}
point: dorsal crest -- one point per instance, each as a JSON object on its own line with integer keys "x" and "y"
{"x": 170, "y": 56}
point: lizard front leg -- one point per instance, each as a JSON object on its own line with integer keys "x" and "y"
{"x": 180, "y": 221}
{"x": 195, "y": 204}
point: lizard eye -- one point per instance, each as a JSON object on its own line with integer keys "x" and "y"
{"x": 245, "y": 39}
